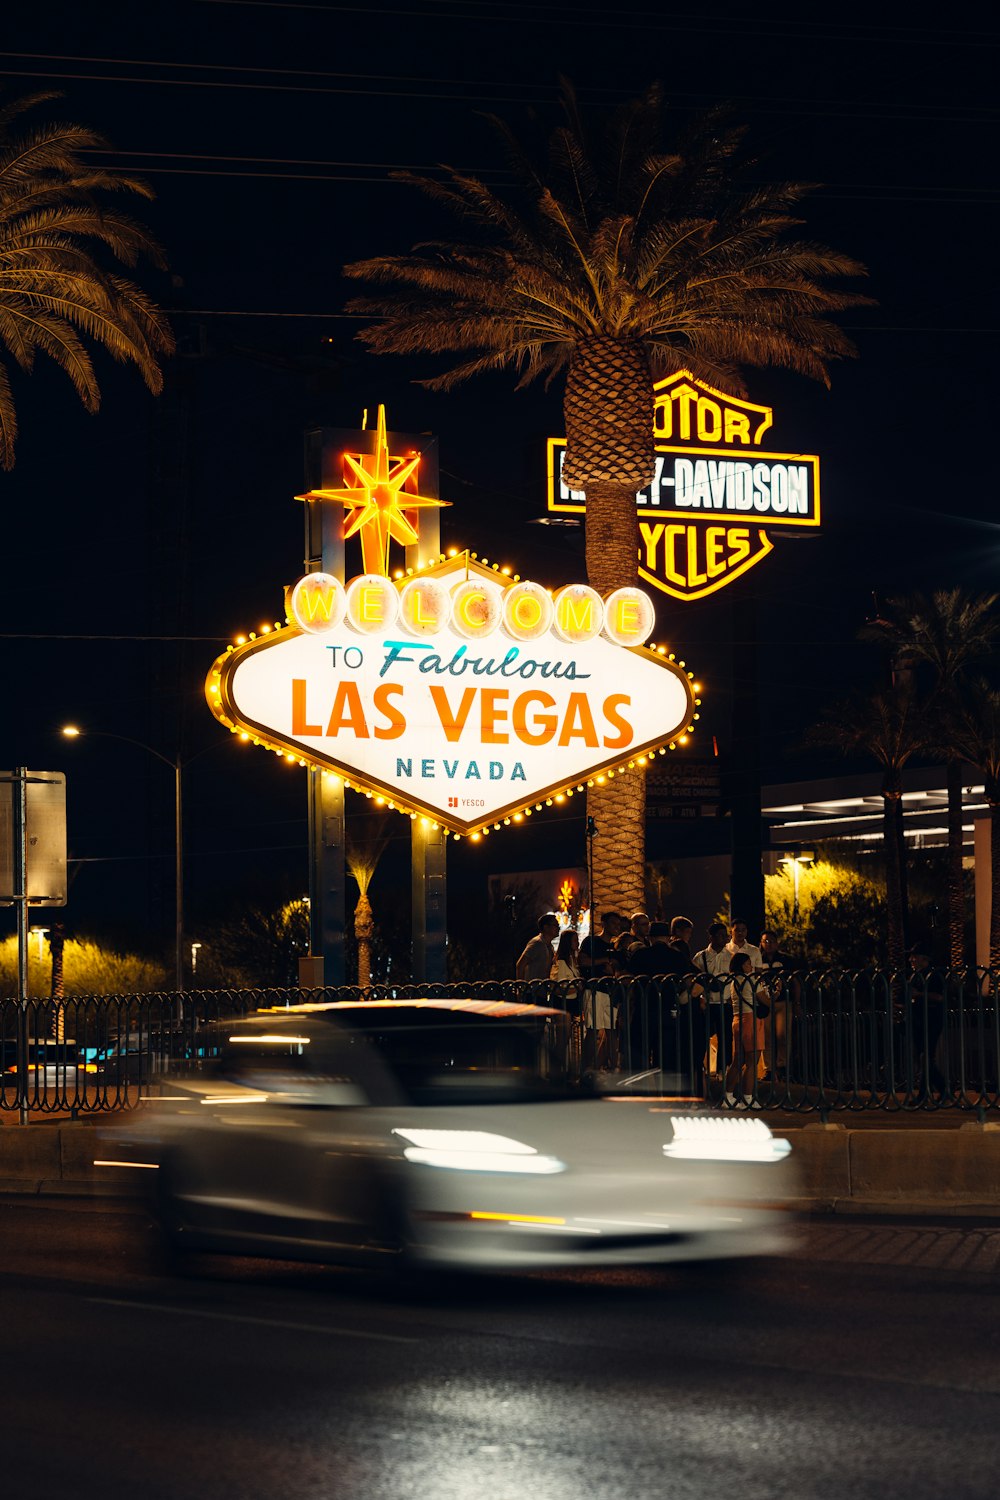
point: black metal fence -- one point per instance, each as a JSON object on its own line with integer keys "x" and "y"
{"x": 812, "y": 1041}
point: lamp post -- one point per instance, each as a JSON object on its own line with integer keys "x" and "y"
{"x": 800, "y": 857}
{"x": 72, "y": 732}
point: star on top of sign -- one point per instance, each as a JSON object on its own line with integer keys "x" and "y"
{"x": 378, "y": 501}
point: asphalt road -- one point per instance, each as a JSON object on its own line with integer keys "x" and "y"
{"x": 864, "y": 1365}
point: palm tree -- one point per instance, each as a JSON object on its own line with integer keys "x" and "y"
{"x": 890, "y": 728}
{"x": 365, "y": 847}
{"x": 615, "y": 261}
{"x": 978, "y": 739}
{"x": 949, "y": 631}
{"x": 55, "y": 293}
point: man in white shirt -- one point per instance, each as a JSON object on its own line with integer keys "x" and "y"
{"x": 738, "y": 944}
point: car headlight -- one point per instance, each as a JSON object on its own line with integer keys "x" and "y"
{"x": 706, "y": 1138}
{"x": 475, "y": 1151}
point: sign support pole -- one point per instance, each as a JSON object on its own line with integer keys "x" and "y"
{"x": 327, "y": 871}
{"x": 428, "y": 846}
{"x": 19, "y": 788}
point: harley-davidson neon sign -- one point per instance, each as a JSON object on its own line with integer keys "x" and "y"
{"x": 716, "y": 492}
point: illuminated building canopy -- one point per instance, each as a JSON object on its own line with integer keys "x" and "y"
{"x": 716, "y": 493}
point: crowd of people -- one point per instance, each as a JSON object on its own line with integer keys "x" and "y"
{"x": 718, "y": 997}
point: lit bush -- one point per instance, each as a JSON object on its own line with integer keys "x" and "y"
{"x": 88, "y": 969}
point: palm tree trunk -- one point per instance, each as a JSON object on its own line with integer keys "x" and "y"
{"x": 619, "y": 810}
{"x": 608, "y": 407}
{"x": 619, "y": 807}
{"x": 892, "y": 806}
{"x": 364, "y": 931}
{"x": 956, "y": 876}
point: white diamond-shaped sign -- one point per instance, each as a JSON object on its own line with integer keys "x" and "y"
{"x": 465, "y": 730}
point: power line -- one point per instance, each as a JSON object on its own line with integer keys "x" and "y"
{"x": 752, "y": 104}
{"x": 647, "y": 21}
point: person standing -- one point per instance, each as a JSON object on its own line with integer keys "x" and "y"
{"x": 536, "y": 960}
{"x": 748, "y": 1027}
{"x": 635, "y": 935}
{"x": 681, "y": 929}
{"x": 738, "y": 944}
{"x": 778, "y": 1030}
{"x": 713, "y": 961}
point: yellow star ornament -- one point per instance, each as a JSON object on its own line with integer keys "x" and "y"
{"x": 378, "y": 501}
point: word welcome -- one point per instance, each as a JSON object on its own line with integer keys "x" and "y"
{"x": 471, "y": 608}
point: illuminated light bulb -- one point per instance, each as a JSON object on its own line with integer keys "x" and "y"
{"x": 631, "y": 765}
{"x": 690, "y": 729}
{"x": 600, "y": 780}
{"x": 253, "y": 636}
{"x": 671, "y": 657}
{"x": 590, "y": 783}
{"x": 476, "y": 609}
{"x": 560, "y": 797}
{"x": 527, "y": 611}
{"x": 518, "y": 817}
{"x": 698, "y": 701}
{"x": 680, "y": 664}
{"x": 379, "y": 801}
{"x": 527, "y": 812}
{"x": 456, "y": 837}
{"x": 662, "y": 651}
{"x": 629, "y": 617}
{"x": 683, "y": 739}
{"x": 496, "y": 825}
{"x": 506, "y": 822}
{"x": 517, "y": 578}
{"x": 413, "y": 818}
{"x": 372, "y": 603}
{"x": 579, "y": 613}
{"x": 611, "y": 775}
{"x": 301, "y": 762}
{"x": 244, "y": 736}
{"x": 538, "y": 807}
{"x": 474, "y": 556}
{"x": 452, "y": 551}
{"x": 505, "y": 572}
{"x": 580, "y": 787}
{"x": 475, "y": 838}
{"x": 485, "y": 561}
{"x": 486, "y": 833}
{"x": 569, "y": 791}
{"x": 265, "y": 630}
{"x": 696, "y": 717}
{"x": 548, "y": 802}
{"x": 398, "y": 573}
{"x": 241, "y": 640}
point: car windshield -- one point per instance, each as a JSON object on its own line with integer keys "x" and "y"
{"x": 454, "y": 1057}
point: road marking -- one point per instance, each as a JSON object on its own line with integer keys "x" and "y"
{"x": 198, "y": 1312}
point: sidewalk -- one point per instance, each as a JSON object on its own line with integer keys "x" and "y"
{"x": 942, "y": 1164}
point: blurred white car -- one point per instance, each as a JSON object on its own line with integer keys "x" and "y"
{"x": 445, "y": 1133}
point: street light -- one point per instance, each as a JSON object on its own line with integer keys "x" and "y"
{"x": 194, "y": 958}
{"x": 72, "y": 732}
{"x": 800, "y": 857}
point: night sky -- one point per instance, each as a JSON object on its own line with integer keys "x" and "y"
{"x": 137, "y": 542}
